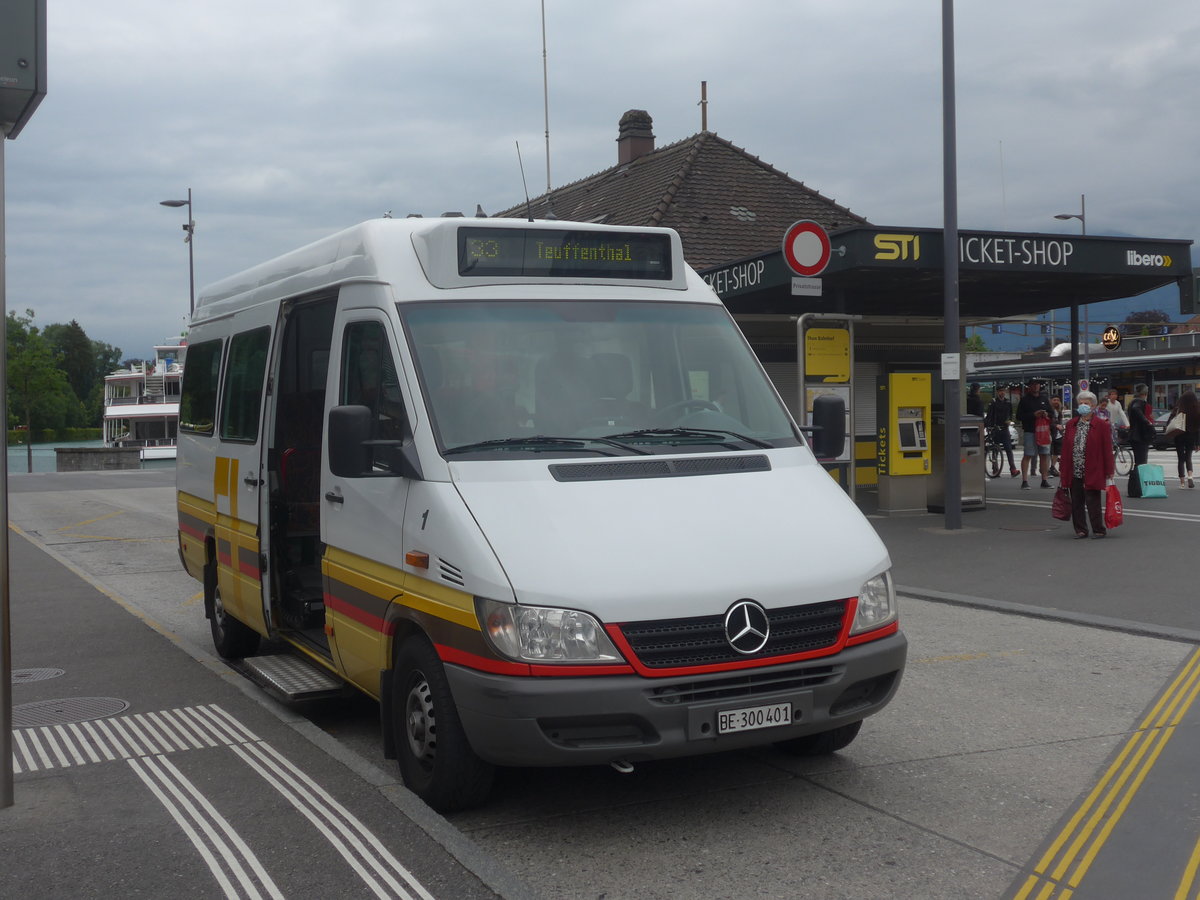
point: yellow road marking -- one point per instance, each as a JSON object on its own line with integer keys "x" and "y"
{"x": 195, "y": 598}
{"x": 109, "y": 537}
{"x": 1189, "y": 875}
{"x": 1102, "y": 809}
{"x": 119, "y": 512}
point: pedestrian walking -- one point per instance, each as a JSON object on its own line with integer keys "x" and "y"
{"x": 1141, "y": 434}
{"x": 1056, "y": 413}
{"x": 1186, "y": 440}
{"x": 1033, "y": 406}
{"x": 996, "y": 420}
{"x": 1116, "y": 414}
{"x": 1089, "y": 467}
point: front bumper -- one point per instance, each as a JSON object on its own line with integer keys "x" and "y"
{"x": 575, "y": 721}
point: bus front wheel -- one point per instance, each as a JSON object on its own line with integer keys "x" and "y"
{"x": 436, "y": 760}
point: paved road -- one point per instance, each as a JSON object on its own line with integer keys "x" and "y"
{"x": 1006, "y": 726}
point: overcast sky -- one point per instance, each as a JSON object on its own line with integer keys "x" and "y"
{"x": 291, "y": 120}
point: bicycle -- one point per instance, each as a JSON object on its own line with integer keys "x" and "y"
{"x": 994, "y": 450}
{"x": 1123, "y": 458}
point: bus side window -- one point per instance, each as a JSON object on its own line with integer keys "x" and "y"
{"x": 198, "y": 405}
{"x": 369, "y": 378}
{"x": 241, "y": 401}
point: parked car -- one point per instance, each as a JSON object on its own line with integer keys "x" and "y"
{"x": 1161, "y": 442}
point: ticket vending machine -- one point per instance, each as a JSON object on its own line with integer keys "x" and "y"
{"x": 903, "y": 417}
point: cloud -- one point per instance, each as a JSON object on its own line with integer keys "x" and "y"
{"x": 290, "y": 120}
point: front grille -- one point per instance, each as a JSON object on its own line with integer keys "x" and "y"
{"x": 700, "y": 641}
{"x": 753, "y": 683}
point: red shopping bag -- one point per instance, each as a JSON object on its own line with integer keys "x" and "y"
{"x": 1114, "y": 512}
{"x": 1061, "y": 508}
{"x": 1041, "y": 433}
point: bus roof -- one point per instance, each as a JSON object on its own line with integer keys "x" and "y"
{"x": 458, "y": 252}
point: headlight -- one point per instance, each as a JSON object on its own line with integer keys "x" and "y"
{"x": 876, "y": 604}
{"x": 543, "y": 634}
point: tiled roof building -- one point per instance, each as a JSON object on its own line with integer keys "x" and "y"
{"x": 725, "y": 203}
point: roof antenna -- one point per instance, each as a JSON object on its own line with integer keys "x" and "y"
{"x": 546, "y": 97}
{"x": 520, "y": 162}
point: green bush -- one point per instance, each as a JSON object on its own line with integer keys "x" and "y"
{"x": 52, "y": 435}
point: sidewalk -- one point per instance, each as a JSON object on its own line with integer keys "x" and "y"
{"x": 140, "y": 770}
{"x": 1012, "y": 556}
{"x": 1002, "y": 728}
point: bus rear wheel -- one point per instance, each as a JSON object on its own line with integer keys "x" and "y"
{"x": 436, "y": 760}
{"x": 232, "y": 639}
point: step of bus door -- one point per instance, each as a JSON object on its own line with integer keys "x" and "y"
{"x": 293, "y": 677}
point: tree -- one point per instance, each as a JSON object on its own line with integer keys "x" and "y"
{"x": 71, "y": 346}
{"x": 1146, "y": 321}
{"x": 975, "y": 344}
{"x": 39, "y": 395}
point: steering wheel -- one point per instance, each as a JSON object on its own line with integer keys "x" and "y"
{"x": 668, "y": 411}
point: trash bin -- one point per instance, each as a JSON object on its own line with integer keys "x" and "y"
{"x": 970, "y": 460}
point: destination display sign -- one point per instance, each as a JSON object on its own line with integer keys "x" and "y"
{"x": 542, "y": 253}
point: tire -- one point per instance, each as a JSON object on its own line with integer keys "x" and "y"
{"x": 1124, "y": 461}
{"x": 822, "y": 743}
{"x": 232, "y": 639}
{"x": 435, "y": 758}
{"x": 994, "y": 463}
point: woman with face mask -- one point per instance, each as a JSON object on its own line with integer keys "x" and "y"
{"x": 1087, "y": 465}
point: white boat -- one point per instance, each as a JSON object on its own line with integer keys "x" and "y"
{"x": 141, "y": 403}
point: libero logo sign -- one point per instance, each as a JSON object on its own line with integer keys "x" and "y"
{"x": 1152, "y": 260}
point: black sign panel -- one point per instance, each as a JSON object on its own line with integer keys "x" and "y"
{"x": 998, "y": 251}
{"x": 546, "y": 253}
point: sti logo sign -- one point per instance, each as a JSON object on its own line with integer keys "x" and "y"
{"x": 898, "y": 246}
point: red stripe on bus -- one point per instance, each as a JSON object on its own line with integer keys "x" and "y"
{"x": 350, "y": 611}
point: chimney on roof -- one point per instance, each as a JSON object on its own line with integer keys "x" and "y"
{"x": 634, "y": 136}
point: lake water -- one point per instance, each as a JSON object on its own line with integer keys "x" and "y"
{"x": 46, "y": 460}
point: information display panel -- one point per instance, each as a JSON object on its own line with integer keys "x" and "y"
{"x": 571, "y": 253}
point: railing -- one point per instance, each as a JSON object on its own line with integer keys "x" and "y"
{"x": 148, "y": 442}
{"x": 144, "y": 398}
{"x": 1187, "y": 341}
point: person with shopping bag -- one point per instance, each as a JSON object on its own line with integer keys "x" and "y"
{"x": 1087, "y": 466}
{"x": 1183, "y": 427}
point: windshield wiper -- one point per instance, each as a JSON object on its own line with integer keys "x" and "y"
{"x": 707, "y": 433}
{"x": 539, "y": 442}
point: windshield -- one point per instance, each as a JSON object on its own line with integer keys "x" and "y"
{"x": 572, "y": 377}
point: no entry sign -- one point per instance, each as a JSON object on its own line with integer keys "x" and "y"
{"x": 806, "y": 248}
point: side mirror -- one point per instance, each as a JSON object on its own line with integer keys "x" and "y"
{"x": 349, "y": 430}
{"x": 829, "y": 427}
{"x": 352, "y": 451}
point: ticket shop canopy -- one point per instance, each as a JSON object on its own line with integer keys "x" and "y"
{"x": 883, "y": 271}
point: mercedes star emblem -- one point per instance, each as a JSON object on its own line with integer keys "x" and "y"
{"x": 746, "y": 627}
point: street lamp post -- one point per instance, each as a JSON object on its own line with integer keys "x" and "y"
{"x": 1082, "y": 217}
{"x": 190, "y": 228}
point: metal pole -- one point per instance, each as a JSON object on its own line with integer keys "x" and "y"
{"x": 191, "y": 260}
{"x": 1087, "y": 328}
{"x": 950, "y": 387}
{"x": 6, "y": 771}
{"x": 546, "y": 95}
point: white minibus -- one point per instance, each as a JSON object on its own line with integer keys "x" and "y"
{"x": 527, "y": 485}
